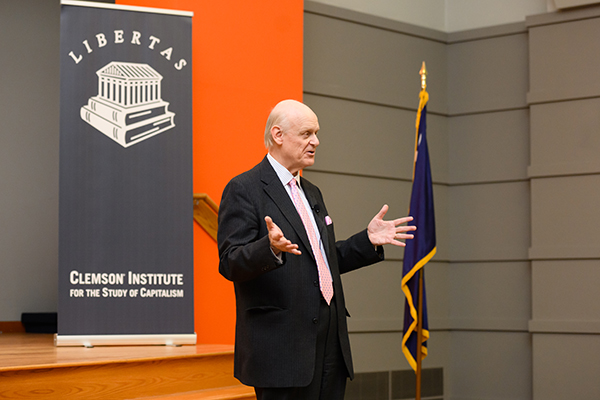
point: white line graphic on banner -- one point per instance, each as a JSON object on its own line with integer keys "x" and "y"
{"x": 128, "y": 107}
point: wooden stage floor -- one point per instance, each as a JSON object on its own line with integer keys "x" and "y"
{"x": 31, "y": 367}
{"x": 37, "y": 350}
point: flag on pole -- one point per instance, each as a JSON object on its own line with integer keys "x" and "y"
{"x": 422, "y": 248}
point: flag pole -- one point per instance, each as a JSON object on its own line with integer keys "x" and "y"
{"x": 419, "y": 336}
{"x": 423, "y": 73}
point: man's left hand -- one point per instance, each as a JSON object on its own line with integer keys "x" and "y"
{"x": 389, "y": 232}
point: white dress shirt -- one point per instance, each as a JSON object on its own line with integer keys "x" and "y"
{"x": 285, "y": 176}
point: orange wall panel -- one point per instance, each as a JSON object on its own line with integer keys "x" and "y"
{"x": 247, "y": 56}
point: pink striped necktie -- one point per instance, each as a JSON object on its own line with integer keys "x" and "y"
{"x": 324, "y": 273}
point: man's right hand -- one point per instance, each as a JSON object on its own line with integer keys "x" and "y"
{"x": 278, "y": 242}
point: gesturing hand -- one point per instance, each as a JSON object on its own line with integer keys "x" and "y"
{"x": 278, "y": 242}
{"x": 389, "y": 232}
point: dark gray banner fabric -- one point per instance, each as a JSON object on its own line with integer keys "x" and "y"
{"x": 125, "y": 219}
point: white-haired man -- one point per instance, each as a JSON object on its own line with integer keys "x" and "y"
{"x": 277, "y": 245}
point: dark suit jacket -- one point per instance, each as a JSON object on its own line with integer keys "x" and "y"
{"x": 277, "y": 304}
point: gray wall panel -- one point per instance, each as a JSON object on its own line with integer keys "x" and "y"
{"x": 488, "y": 75}
{"x": 437, "y": 276}
{"x": 355, "y": 61}
{"x": 493, "y": 296}
{"x": 361, "y": 76}
{"x": 487, "y": 32}
{"x": 360, "y": 138}
{"x": 489, "y": 222}
{"x": 375, "y": 299}
{"x": 438, "y": 142}
{"x": 566, "y": 367}
{"x": 489, "y": 147}
{"x": 356, "y": 78}
{"x": 567, "y": 291}
{"x": 443, "y": 230}
{"x": 565, "y": 84}
{"x": 383, "y": 349}
{"x": 377, "y": 351}
{"x": 564, "y": 138}
{"x": 489, "y": 365}
{"x": 352, "y": 201}
{"x": 565, "y": 60}
{"x": 346, "y": 14}
{"x": 565, "y": 202}
{"x": 366, "y": 139}
{"x": 29, "y": 88}
{"x": 489, "y": 217}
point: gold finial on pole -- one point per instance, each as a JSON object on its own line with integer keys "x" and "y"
{"x": 423, "y": 73}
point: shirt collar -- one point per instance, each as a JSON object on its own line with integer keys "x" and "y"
{"x": 282, "y": 172}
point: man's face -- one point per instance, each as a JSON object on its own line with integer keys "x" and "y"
{"x": 300, "y": 141}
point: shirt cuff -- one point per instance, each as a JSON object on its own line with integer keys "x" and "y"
{"x": 279, "y": 257}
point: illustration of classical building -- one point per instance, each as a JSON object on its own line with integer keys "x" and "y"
{"x": 128, "y": 107}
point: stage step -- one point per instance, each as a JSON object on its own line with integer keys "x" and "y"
{"x": 32, "y": 368}
{"x": 238, "y": 392}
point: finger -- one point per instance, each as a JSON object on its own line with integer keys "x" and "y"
{"x": 292, "y": 248}
{"x": 287, "y": 246}
{"x": 269, "y": 222}
{"x": 409, "y": 228}
{"x": 402, "y": 220}
{"x": 382, "y": 212}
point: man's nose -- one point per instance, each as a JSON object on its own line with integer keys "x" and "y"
{"x": 314, "y": 140}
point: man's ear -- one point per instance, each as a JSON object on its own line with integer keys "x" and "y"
{"x": 277, "y": 134}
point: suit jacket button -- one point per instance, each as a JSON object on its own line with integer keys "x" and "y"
{"x": 316, "y": 283}
{"x": 315, "y": 321}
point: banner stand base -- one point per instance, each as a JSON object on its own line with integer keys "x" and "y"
{"x": 124, "y": 340}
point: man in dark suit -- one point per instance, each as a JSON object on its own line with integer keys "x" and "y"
{"x": 277, "y": 244}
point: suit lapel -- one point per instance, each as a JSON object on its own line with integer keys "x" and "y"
{"x": 312, "y": 200}
{"x": 276, "y": 191}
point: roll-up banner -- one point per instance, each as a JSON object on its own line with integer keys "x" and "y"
{"x": 126, "y": 203}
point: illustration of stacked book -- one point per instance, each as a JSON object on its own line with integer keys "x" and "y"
{"x": 128, "y": 107}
